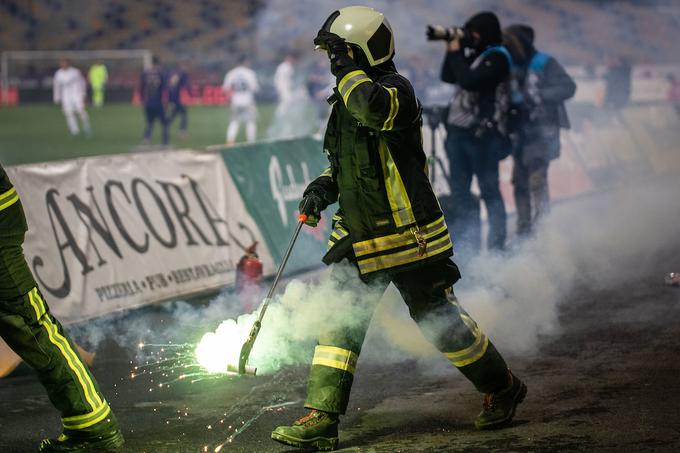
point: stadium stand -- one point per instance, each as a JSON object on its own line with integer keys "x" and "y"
{"x": 577, "y": 30}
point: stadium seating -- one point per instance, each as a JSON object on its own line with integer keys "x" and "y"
{"x": 213, "y": 33}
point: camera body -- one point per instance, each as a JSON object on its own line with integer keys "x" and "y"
{"x": 441, "y": 33}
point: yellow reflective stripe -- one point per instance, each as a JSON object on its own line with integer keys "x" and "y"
{"x": 345, "y": 98}
{"x": 404, "y": 257}
{"x": 339, "y": 233}
{"x": 87, "y": 420}
{"x": 352, "y": 75}
{"x": 327, "y": 172}
{"x": 7, "y": 194}
{"x": 400, "y": 239}
{"x": 396, "y": 191}
{"x": 394, "y": 109}
{"x": 82, "y": 417}
{"x": 63, "y": 345}
{"x": 92, "y": 422}
{"x": 334, "y": 357}
{"x": 35, "y": 306}
{"x": 474, "y": 352}
{"x": 336, "y": 235}
{"x": 8, "y": 198}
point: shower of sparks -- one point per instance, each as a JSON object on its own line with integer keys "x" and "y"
{"x": 168, "y": 363}
{"x": 246, "y": 423}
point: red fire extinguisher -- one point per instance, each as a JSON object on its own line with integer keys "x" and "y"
{"x": 248, "y": 269}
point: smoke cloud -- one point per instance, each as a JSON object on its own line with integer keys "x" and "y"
{"x": 591, "y": 243}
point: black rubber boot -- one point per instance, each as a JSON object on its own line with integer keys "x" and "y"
{"x": 110, "y": 441}
{"x": 317, "y": 430}
{"x": 499, "y": 408}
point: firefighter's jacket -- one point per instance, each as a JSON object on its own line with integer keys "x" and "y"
{"x": 12, "y": 220}
{"x": 389, "y": 216}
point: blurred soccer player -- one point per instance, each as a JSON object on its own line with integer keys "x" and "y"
{"x": 69, "y": 89}
{"x": 178, "y": 81}
{"x": 241, "y": 81}
{"x": 153, "y": 85}
{"x": 98, "y": 75}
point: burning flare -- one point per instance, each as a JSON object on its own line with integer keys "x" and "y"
{"x": 219, "y": 351}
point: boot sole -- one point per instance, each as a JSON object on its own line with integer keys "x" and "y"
{"x": 316, "y": 443}
{"x": 108, "y": 446}
{"x": 505, "y": 421}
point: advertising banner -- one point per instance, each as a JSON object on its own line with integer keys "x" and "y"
{"x": 271, "y": 178}
{"x": 116, "y": 232}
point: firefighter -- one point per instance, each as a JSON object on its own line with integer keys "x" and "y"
{"x": 29, "y": 328}
{"x": 389, "y": 227}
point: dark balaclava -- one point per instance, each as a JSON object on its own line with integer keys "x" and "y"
{"x": 489, "y": 29}
{"x": 525, "y": 36}
{"x": 373, "y": 71}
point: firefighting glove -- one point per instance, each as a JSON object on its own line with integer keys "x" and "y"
{"x": 312, "y": 205}
{"x": 337, "y": 50}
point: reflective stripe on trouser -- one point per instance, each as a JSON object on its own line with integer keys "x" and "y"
{"x": 335, "y": 358}
{"x": 440, "y": 318}
{"x": 470, "y": 350}
{"x": 38, "y": 338}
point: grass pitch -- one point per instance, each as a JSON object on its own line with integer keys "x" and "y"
{"x": 38, "y": 133}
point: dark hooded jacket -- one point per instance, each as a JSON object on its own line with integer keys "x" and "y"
{"x": 482, "y": 77}
{"x": 544, "y": 94}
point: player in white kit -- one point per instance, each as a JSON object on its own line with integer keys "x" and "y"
{"x": 69, "y": 89}
{"x": 241, "y": 82}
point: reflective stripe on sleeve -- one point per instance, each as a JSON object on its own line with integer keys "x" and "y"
{"x": 334, "y": 357}
{"x": 350, "y": 82}
{"x": 8, "y": 198}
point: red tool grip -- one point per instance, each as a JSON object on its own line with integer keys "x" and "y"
{"x": 302, "y": 218}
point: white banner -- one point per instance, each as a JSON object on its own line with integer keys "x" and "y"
{"x": 116, "y": 232}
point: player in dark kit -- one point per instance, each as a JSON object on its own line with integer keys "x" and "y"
{"x": 178, "y": 80}
{"x": 153, "y": 85}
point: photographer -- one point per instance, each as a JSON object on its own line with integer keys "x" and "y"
{"x": 479, "y": 67}
{"x": 543, "y": 85}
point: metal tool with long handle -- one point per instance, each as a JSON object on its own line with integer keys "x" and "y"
{"x": 250, "y": 342}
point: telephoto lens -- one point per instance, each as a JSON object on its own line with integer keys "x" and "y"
{"x": 441, "y": 33}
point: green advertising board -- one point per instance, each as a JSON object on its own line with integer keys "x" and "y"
{"x": 271, "y": 178}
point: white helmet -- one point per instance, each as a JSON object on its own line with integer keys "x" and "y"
{"x": 366, "y": 28}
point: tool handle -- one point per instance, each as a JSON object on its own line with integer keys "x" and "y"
{"x": 301, "y": 221}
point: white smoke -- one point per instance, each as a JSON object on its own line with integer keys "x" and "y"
{"x": 592, "y": 243}
{"x": 597, "y": 243}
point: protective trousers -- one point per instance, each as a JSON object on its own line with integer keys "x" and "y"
{"x": 427, "y": 293}
{"x": 29, "y": 328}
